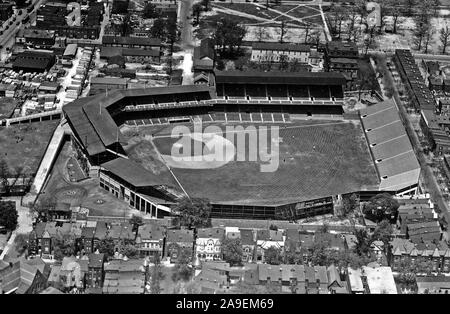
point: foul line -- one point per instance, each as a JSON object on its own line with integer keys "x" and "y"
{"x": 170, "y": 170}
{"x": 256, "y": 129}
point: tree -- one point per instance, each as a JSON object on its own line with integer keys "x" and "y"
{"x": 171, "y": 33}
{"x": 136, "y": 221}
{"x": 353, "y": 14}
{"x": 150, "y": 11}
{"x": 261, "y": 33}
{"x": 349, "y": 204}
{"x": 336, "y": 17}
{"x": 395, "y": 10}
{"x": 118, "y": 60}
{"x": 205, "y": 4}
{"x": 383, "y": 232}
{"x": 64, "y": 245}
{"x": 272, "y": 256}
{"x": 428, "y": 36}
{"x": 369, "y": 39}
{"x": 183, "y": 270}
{"x": 8, "y": 215}
{"x": 4, "y": 177}
{"x": 107, "y": 247}
{"x": 125, "y": 26}
{"x": 196, "y": 11}
{"x": 155, "y": 287}
{"x": 324, "y": 228}
{"x": 435, "y": 4}
{"x": 229, "y": 34}
{"x": 380, "y": 207}
{"x": 422, "y": 23}
{"x": 40, "y": 210}
{"x": 283, "y": 30}
{"x": 273, "y": 227}
{"x": 193, "y": 213}
{"x": 409, "y": 6}
{"x": 444, "y": 37}
{"x": 128, "y": 249}
{"x": 232, "y": 251}
{"x": 363, "y": 242}
{"x": 307, "y": 28}
{"x": 21, "y": 243}
{"x": 158, "y": 28}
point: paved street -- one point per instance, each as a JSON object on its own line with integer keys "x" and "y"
{"x": 186, "y": 41}
{"x": 8, "y": 38}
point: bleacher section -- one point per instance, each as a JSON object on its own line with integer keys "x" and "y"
{"x": 393, "y": 154}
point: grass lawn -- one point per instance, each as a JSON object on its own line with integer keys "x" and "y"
{"x": 7, "y": 106}
{"x": 25, "y": 145}
{"x": 316, "y": 159}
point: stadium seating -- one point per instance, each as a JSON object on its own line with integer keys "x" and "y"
{"x": 277, "y": 91}
{"x": 298, "y": 91}
{"x": 336, "y": 92}
{"x": 235, "y": 90}
{"x": 256, "y": 90}
{"x": 320, "y": 92}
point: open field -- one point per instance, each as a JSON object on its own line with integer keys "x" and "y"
{"x": 254, "y": 16}
{"x": 25, "y": 145}
{"x": 316, "y": 159}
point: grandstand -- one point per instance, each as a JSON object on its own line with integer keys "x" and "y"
{"x": 298, "y": 87}
{"x": 391, "y": 150}
{"x": 320, "y": 158}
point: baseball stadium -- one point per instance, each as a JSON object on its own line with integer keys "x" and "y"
{"x": 127, "y": 138}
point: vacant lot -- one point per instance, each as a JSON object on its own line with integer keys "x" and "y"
{"x": 25, "y": 145}
{"x": 316, "y": 159}
{"x": 7, "y": 106}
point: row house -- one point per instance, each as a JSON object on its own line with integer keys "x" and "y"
{"x": 208, "y": 244}
{"x": 266, "y": 239}
{"x": 248, "y": 241}
{"x": 24, "y": 276}
{"x": 425, "y": 255}
{"x": 42, "y": 237}
{"x": 300, "y": 279}
{"x": 177, "y": 241}
{"x": 342, "y": 57}
{"x": 275, "y": 52}
{"x": 131, "y": 42}
{"x": 150, "y": 240}
{"x": 95, "y": 273}
{"x": 348, "y": 67}
{"x": 125, "y": 276}
{"x": 299, "y": 245}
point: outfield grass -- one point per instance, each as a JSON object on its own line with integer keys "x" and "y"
{"x": 317, "y": 159}
{"x": 25, "y": 145}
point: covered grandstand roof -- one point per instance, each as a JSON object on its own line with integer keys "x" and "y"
{"x": 275, "y": 77}
{"x": 93, "y": 123}
{"x": 132, "y": 172}
{"x": 389, "y": 144}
